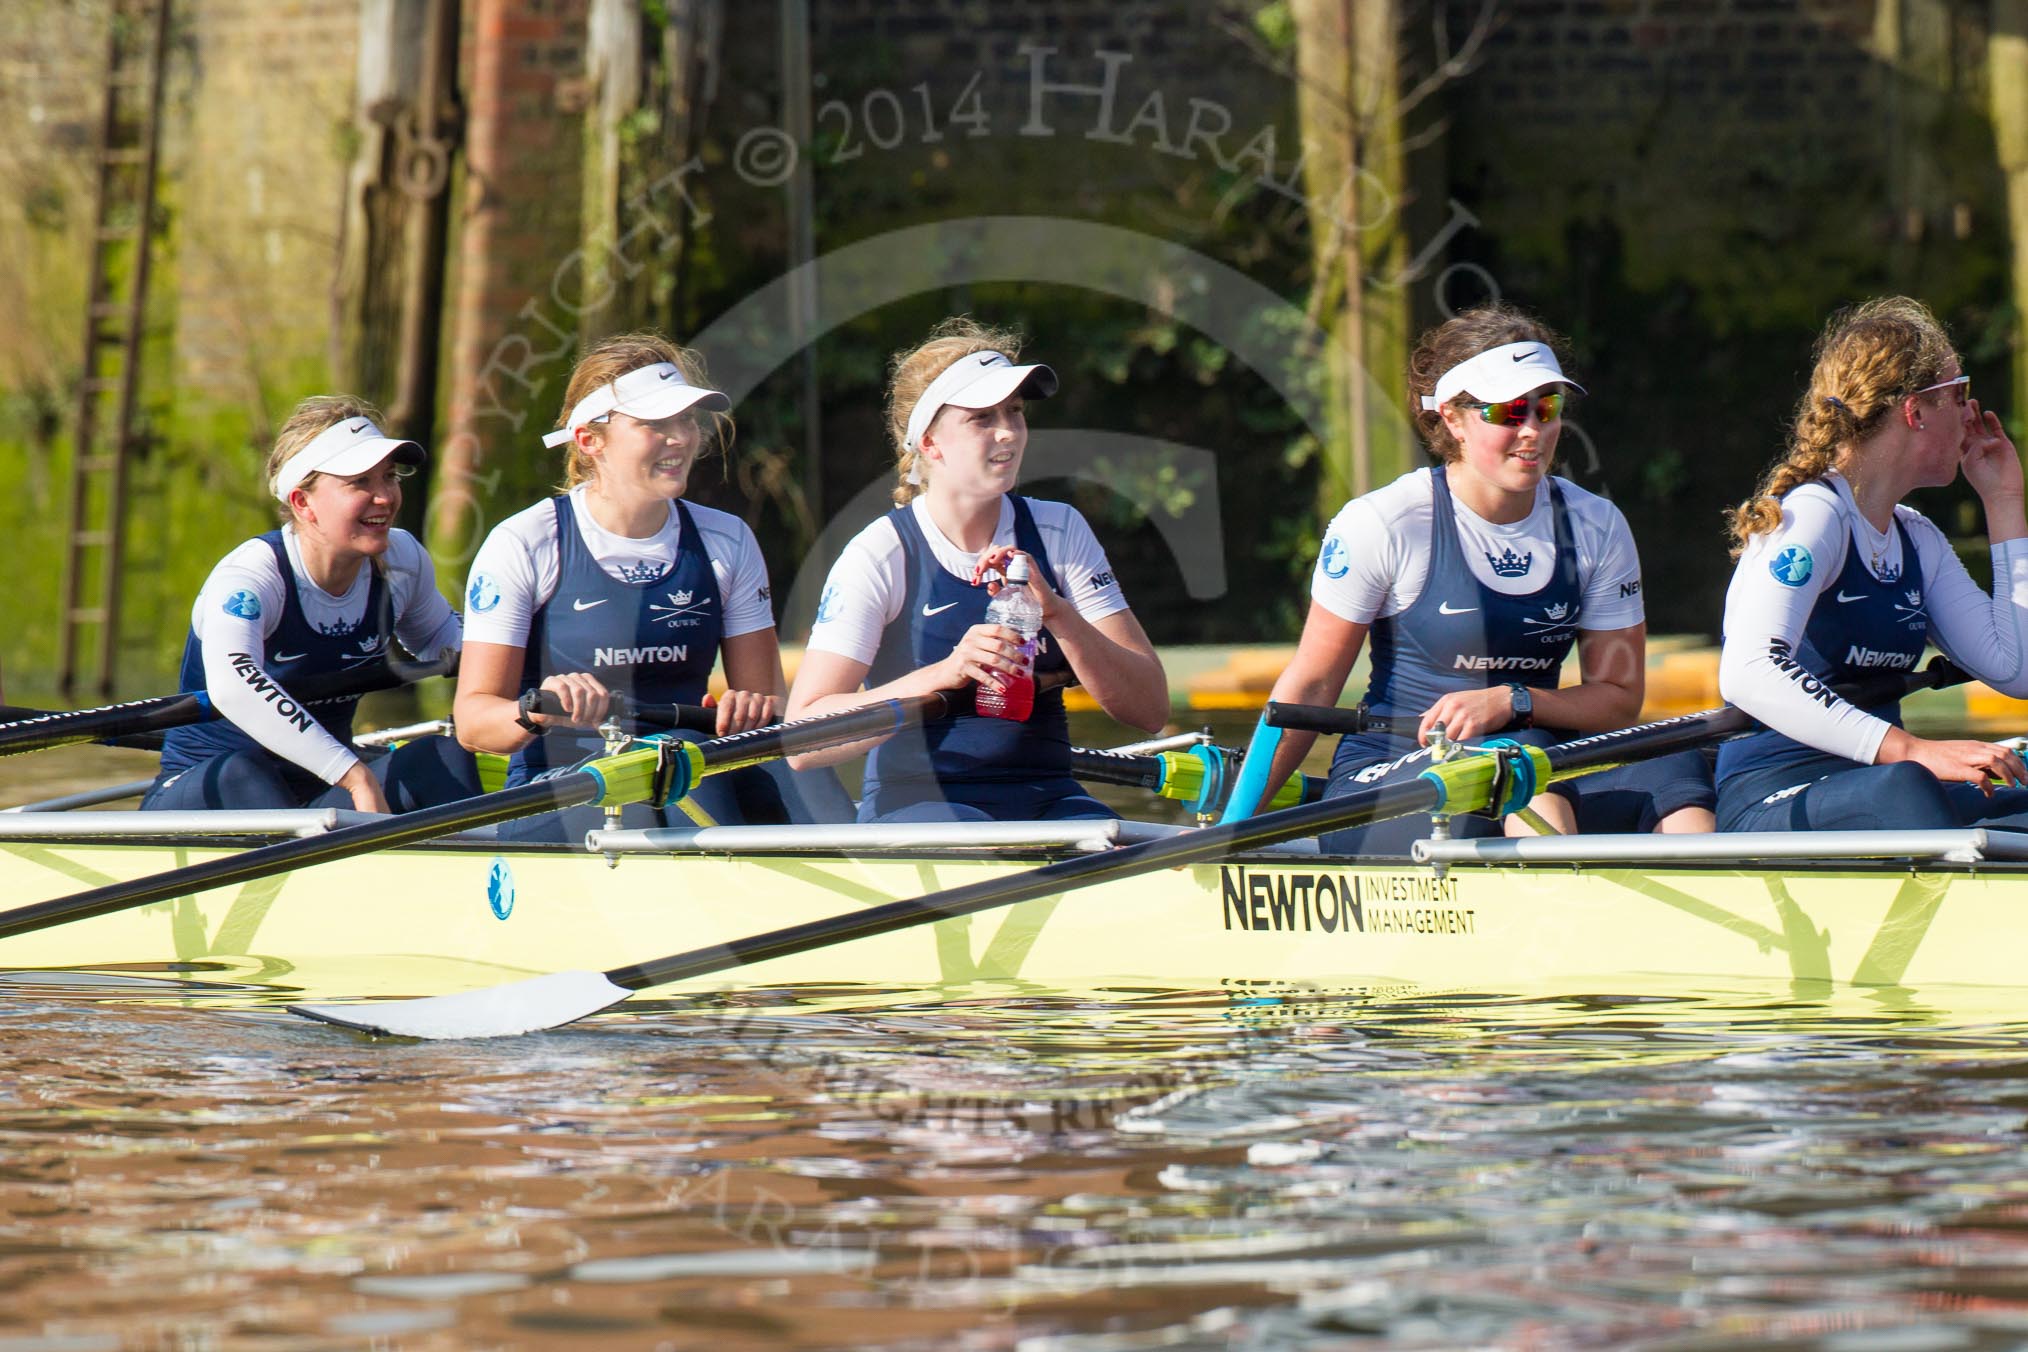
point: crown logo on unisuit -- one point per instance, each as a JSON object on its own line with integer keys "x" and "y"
{"x": 1510, "y": 564}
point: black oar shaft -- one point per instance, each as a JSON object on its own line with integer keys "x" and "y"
{"x": 1212, "y": 842}
{"x": 736, "y": 750}
{"x": 569, "y": 790}
{"x": 245, "y": 866}
{"x": 740, "y": 749}
{"x": 1114, "y": 767}
{"x": 41, "y": 730}
{"x": 1189, "y": 847}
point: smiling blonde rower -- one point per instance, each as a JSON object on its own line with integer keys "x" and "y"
{"x": 322, "y": 595}
{"x": 618, "y": 585}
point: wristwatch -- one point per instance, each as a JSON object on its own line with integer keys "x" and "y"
{"x": 1524, "y": 705}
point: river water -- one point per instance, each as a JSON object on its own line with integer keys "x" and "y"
{"x": 1778, "y": 1167}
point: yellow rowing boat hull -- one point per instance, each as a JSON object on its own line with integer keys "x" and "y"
{"x": 427, "y": 921}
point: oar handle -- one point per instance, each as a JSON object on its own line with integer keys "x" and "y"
{"x": 628, "y": 710}
{"x": 1114, "y": 767}
{"x": 1329, "y": 718}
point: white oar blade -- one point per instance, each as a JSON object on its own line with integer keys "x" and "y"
{"x": 497, "y": 1011}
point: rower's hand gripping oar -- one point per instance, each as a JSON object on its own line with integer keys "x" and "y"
{"x": 658, "y": 772}
{"x": 1494, "y": 779}
{"x": 625, "y": 714}
{"x": 42, "y": 730}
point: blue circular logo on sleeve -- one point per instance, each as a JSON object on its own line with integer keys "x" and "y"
{"x": 827, "y": 606}
{"x": 1337, "y": 560}
{"x": 482, "y": 595}
{"x": 1793, "y": 566}
{"x": 244, "y": 604}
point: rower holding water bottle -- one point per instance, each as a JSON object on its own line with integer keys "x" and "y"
{"x": 905, "y": 610}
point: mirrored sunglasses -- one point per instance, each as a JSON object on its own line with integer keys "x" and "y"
{"x": 1513, "y": 412}
{"x": 1960, "y": 388}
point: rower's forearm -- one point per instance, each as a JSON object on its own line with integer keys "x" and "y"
{"x": 486, "y": 723}
{"x": 1128, "y": 683}
{"x": 922, "y": 681}
{"x": 1595, "y": 706}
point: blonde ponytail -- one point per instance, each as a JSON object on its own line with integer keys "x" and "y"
{"x": 1869, "y": 358}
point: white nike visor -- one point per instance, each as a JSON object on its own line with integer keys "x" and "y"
{"x": 980, "y": 380}
{"x": 1499, "y": 374}
{"x": 348, "y": 446}
{"x": 650, "y": 393}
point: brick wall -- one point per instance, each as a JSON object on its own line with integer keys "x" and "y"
{"x": 1690, "y": 187}
{"x": 523, "y": 79}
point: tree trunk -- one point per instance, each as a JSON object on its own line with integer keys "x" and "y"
{"x": 2008, "y": 64}
{"x": 1347, "y": 63}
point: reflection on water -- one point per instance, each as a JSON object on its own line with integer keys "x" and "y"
{"x": 850, "y": 1167}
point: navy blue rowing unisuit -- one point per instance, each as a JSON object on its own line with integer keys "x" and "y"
{"x": 656, "y": 641}
{"x": 295, "y": 649}
{"x": 1461, "y": 634}
{"x": 1859, "y": 627}
{"x": 1004, "y": 769}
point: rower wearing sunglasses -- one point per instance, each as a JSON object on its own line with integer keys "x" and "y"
{"x": 1475, "y": 578}
{"x": 1839, "y": 579}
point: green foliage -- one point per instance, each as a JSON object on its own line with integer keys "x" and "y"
{"x": 1276, "y": 26}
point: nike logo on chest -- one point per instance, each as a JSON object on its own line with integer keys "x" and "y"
{"x": 587, "y": 605}
{"x": 928, "y": 610}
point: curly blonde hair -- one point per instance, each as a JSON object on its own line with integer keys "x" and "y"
{"x": 611, "y": 358}
{"x": 301, "y": 427}
{"x": 1455, "y": 341}
{"x": 911, "y": 372}
{"x": 1869, "y": 358}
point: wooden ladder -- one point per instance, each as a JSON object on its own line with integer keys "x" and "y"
{"x": 115, "y": 303}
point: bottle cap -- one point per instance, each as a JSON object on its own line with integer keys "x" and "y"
{"x": 1017, "y": 571}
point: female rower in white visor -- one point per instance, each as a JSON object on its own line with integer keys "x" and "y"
{"x": 617, "y": 585}
{"x": 903, "y": 608}
{"x": 1474, "y": 579}
{"x": 319, "y": 596}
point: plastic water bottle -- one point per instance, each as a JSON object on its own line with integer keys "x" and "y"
{"x": 1016, "y": 609}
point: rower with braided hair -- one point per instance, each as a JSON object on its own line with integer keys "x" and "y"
{"x": 1838, "y": 578}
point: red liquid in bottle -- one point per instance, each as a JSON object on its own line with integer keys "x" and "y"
{"x": 1016, "y": 702}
